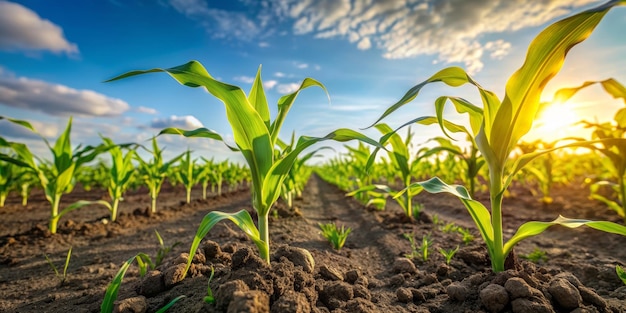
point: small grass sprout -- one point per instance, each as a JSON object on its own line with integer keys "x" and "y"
{"x": 62, "y": 277}
{"x": 209, "y": 298}
{"x": 621, "y": 273}
{"x": 450, "y": 228}
{"x": 536, "y": 256}
{"x": 335, "y": 235}
{"x": 448, "y": 254}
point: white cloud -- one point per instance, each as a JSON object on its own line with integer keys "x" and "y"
{"x": 279, "y": 74}
{"x": 244, "y": 79}
{"x": 450, "y": 31}
{"x": 55, "y": 99}
{"x": 23, "y": 29}
{"x": 146, "y": 110}
{"x": 300, "y": 65}
{"x": 263, "y": 44}
{"x": 447, "y": 29}
{"x": 364, "y": 44}
{"x": 287, "y": 88}
{"x": 185, "y": 122}
{"x": 269, "y": 84}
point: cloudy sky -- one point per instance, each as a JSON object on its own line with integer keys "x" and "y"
{"x": 55, "y": 55}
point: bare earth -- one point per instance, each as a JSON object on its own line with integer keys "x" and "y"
{"x": 370, "y": 274}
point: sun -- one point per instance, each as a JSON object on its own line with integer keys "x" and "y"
{"x": 557, "y": 121}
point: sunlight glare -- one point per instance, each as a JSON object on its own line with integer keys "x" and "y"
{"x": 556, "y": 118}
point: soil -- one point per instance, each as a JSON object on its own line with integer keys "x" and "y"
{"x": 370, "y": 274}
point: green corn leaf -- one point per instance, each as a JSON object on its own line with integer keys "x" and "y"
{"x": 544, "y": 60}
{"x": 170, "y": 304}
{"x": 65, "y": 179}
{"x": 285, "y": 102}
{"x": 241, "y": 218}
{"x": 81, "y": 203}
{"x": 400, "y": 154}
{"x": 19, "y": 122}
{"x": 478, "y": 212}
{"x": 111, "y": 293}
{"x": 534, "y": 228}
{"x": 462, "y": 106}
{"x": 197, "y": 133}
{"x": 258, "y": 100}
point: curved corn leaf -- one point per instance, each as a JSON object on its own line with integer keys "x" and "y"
{"x": 534, "y": 228}
{"x": 285, "y": 102}
{"x": 81, "y": 203}
{"x": 170, "y": 304}
{"x": 241, "y": 218}
{"x": 111, "y": 294}
{"x": 258, "y": 100}
{"x": 462, "y": 106}
{"x": 544, "y": 60}
{"x": 249, "y": 130}
{"x": 400, "y": 154}
{"x": 197, "y": 133}
{"x": 18, "y": 122}
{"x": 451, "y": 76}
{"x": 478, "y": 212}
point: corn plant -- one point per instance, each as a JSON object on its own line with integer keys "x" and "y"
{"x": 448, "y": 254}
{"x": 61, "y": 276}
{"x": 187, "y": 173}
{"x": 472, "y": 160}
{"x": 154, "y": 171}
{"x": 256, "y": 138}
{"x": 209, "y": 298}
{"x": 57, "y": 177}
{"x": 498, "y": 126}
{"x": 335, "y": 235}
{"x": 26, "y": 180}
{"x": 120, "y": 173}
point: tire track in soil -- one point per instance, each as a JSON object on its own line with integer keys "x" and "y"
{"x": 369, "y": 245}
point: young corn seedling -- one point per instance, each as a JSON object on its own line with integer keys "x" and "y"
{"x": 448, "y": 254}
{"x": 335, "y": 235}
{"x": 621, "y": 273}
{"x": 163, "y": 250}
{"x": 400, "y": 160}
{"x": 187, "y": 174}
{"x": 209, "y": 298}
{"x": 424, "y": 248}
{"x": 536, "y": 256}
{"x": 6, "y": 180}
{"x": 153, "y": 172}
{"x": 122, "y": 170}
{"x": 466, "y": 235}
{"x": 61, "y": 276}
{"x": 108, "y": 303}
{"x": 57, "y": 177}
{"x": 256, "y": 138}
{"x": 498, "y": 126}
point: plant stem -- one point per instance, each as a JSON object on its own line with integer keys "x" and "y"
{"x": 622, "y": 188}
{"x": 265, "y": 236}
{"x": 54, "y": 217}
{"x": 116, "y": 203}
{"x": 188, "y": 194}
{"x": 496, "y": 195}
{"x": 3, "y": 198}
{"x": 204, "y": 187}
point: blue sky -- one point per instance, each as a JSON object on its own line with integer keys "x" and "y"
{"x": 55, "y": 55}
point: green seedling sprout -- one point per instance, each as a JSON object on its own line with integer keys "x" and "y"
{"x": 256, "y": 137}
{"x": 450, "y": 228}
{"x": 62, "y": 277}
{"x": 498, "y": 126}
{"x": 424, "y": 248}
{"x": 335, "y": 235}
{"x": 163, "y": 250}
{"x": 536, "y": 256}
{"x": 621, "y": 273}
{"x": 120, "y": 174}
{"x": 448, "y": 254}
{"x": 466, "y": 235}
{"x": 209, "y": 298}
